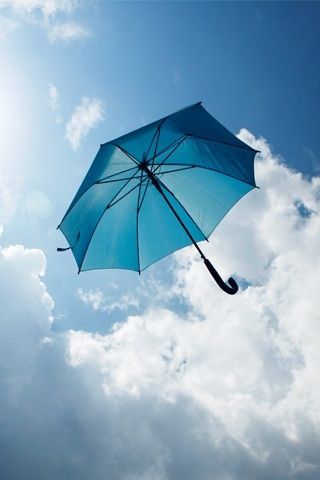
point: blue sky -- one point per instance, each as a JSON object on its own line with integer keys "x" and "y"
{"x": 77, "y": 74}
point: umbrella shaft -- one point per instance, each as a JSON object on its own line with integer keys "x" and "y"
{"x": 158, "y": 187}
{"x": 231, "y": 287}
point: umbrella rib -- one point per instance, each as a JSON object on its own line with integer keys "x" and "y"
{"x": 157, "y": 143}
{"x": 220, "y": 141}
{"x": 155, "y": 150}
{"x": 186, "y": 168}
{"x": 95, "y": 183}
{"x": 144, "y": 194}
{"x": 178, "y": 140}
{"x": 172, "y": 151}
{"x": 104, "y": 211}
{"x": 129, "y": 155}
{"x": 99, "y": 182}
{"x": 154, "y": 136}
{"x": 154, "y": 156}
{"x": 115, "y": 174}
{"x": 123, "y": 196}
{"x": 175, "y": 170}
{"x": 169, "y": 155}
{"x": 137, "y": 222}
{"x": 210, "y": 169}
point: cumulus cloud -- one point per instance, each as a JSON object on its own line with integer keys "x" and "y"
{"x": 228, "y": 390}
{"x": 86, "y": 116}
{"x": 99, "y": 301}
{"x": 56, "y": 420}
{"x": 44, "y": 13}
{"x": 250, "y": 361}
{"x": 25, "y": 317}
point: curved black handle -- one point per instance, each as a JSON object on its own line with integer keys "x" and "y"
{"x": 231, "y": 289}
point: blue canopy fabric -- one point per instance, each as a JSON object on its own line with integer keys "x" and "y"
{"x": 184, "y": 166}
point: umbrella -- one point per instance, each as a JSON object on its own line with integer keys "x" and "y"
{"x": 156, "y": 190}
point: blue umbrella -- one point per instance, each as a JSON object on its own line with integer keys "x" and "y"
{"x": 156, "y": 190}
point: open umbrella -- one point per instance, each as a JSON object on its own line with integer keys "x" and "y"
{"x": 156, "y": 190}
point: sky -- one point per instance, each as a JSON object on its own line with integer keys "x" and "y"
{"x": 162, "y": 376}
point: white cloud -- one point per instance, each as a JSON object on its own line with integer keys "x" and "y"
{"x": 44, "y": 13}
{"x": 86, "y": 116}
{"x": 26, "y": 314}
{"x": 95, "y": 298}
{"x": 149, "y": 292}
{"x": 7, "y": 25}
{"x": 56, "y": 420}
{"x": 251, "y": 360}
{"x": 67, "y": 32}
{"x": 99, "y": 301}
{"x": 47, "y": 8}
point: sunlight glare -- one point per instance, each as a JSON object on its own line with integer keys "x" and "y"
{"x": 14, "y": 125}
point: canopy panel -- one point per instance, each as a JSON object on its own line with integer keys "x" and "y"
{"x": 205, "y": 194}
{"x": 159, "y": 231}
{"x": 114, "y": 241}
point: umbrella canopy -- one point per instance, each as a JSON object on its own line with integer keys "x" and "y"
{"x": 156, "y": 190}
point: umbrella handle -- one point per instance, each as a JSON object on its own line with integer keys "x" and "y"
{"x": 232, "y": 288}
